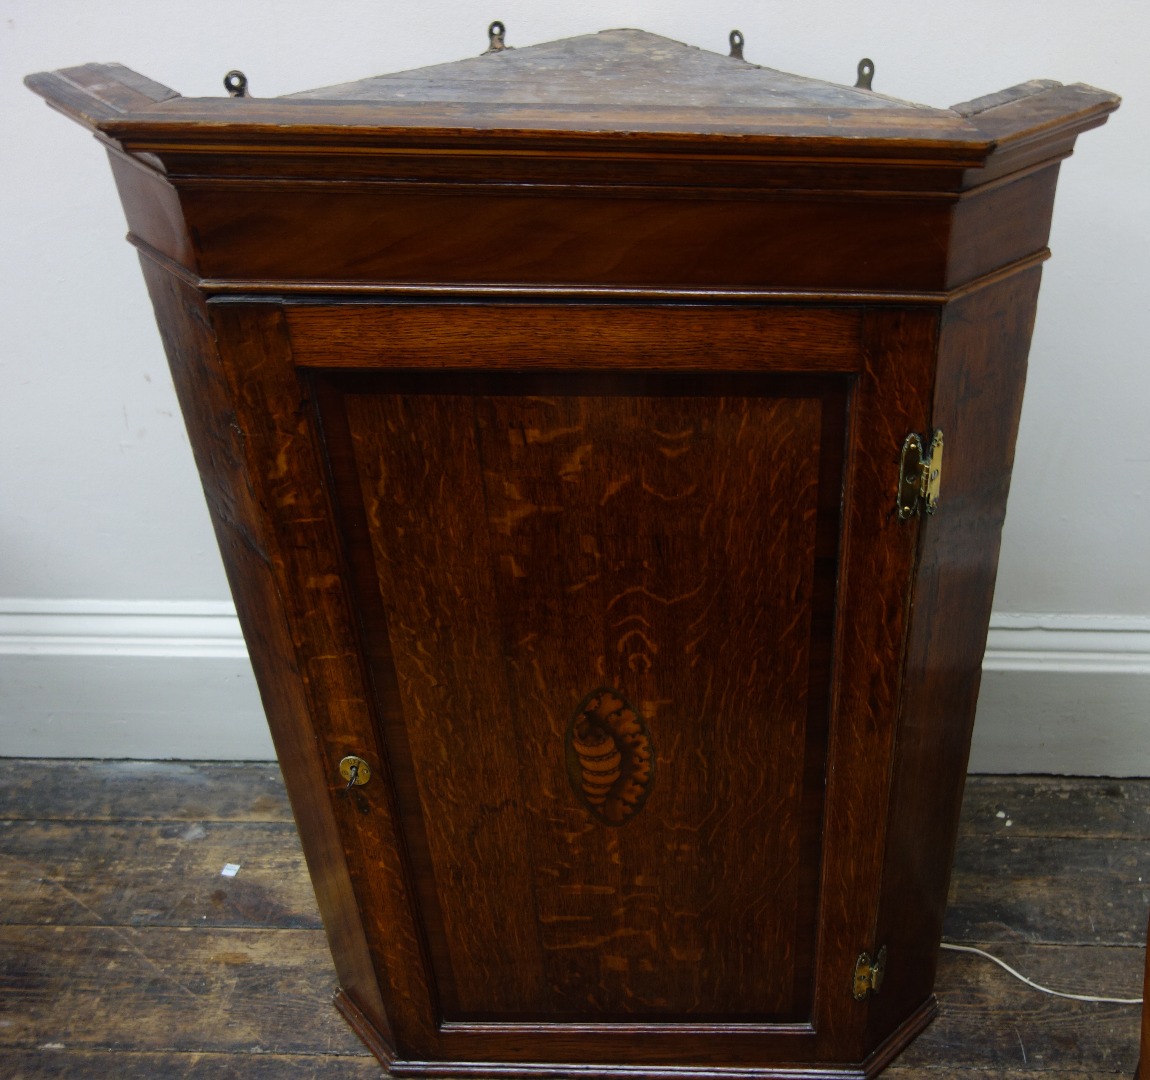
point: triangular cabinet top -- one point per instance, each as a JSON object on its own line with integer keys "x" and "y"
{"x": 619, "y": 92}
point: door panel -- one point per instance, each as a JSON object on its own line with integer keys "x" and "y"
{"x": 599, "y": 613}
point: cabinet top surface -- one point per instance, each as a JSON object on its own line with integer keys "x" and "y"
{"x": 619, "y": 91}
{"x": 629, "y": 68}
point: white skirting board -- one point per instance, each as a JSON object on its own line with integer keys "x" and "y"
{"x": 1065, "y": 694}
{"x": 127, "y": 679}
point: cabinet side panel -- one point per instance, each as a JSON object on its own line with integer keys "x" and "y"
{"x": 892, "y": 396}
{"x": 218, "y": 445}
{"x": 283, "y": 445}
{"x": 152, "y": 207}
{"x": 1000, "y": 224}
{"x": 985, "y": 338}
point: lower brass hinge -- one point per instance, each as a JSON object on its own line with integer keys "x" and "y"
{"x": 869, "y": 974}
{"x": 919, "y": 476}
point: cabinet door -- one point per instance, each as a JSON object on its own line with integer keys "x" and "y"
{"x": 595, "y": 561}
{"x": 608, "y": 606}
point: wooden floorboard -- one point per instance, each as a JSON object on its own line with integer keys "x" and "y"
{"x": 55, "y": 790}
{"x": 66, "y": 1064}
{"x": 124, "y": 952}
{"x": 158, "y": 988}
{"x": 1055, "y": 807}
{"x": 1074, "y": 892}
{"x": 146, "y": 873}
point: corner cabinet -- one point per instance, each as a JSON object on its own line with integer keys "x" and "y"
{"x": 572, "y": 422}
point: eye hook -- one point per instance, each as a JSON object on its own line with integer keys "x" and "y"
{"x": 236, "y": 83}
{"x": 496, "y": 33}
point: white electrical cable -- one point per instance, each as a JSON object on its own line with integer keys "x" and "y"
{"x": 1030, "y": 982}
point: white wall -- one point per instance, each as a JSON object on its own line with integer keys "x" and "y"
{"x": 110, "y": 641}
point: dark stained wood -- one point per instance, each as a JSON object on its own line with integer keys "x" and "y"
{"x": 619, "y": 238}
{"x": 302, "y": 575}
{"x": 220, "y": 445}
{"x": 891, "y": 396}
{"x": 152, "y": 207}
{"x": 940, "y": 140}
{"x": 1024, "y": 1072}
{"x": 996, "y": 225}
{"x": 566, "y": 433}
{"x": 984, "y": 339}
{"x": 551, "y": 493}
{"x": 620, "y": 503}
{"x": 598, "y": 167}
{"x": 491, "y": 336}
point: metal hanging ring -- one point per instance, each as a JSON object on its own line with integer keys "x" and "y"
{"x": 495, "y": 35}
{"x": 236, "y": 84}
{"x": 866, "y": 74}
{"x": 736, "y": 39}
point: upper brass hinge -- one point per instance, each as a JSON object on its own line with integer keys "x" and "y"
{"x": 869, "y": 974}
{"x": 919, "y": 476}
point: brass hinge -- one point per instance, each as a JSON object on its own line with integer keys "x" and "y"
{"x": 919, "y": 476}
{"x": 869, "y": 974}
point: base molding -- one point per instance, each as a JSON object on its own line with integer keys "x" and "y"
{"x": 883, "y": 1055}
{"x": 899, "y": 1040}
{"x": 363, "y": 1027}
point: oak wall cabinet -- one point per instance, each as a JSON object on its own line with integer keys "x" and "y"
{"x": 572, "y": 419}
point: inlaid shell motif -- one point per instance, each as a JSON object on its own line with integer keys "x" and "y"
{"x": 610, "y": 761}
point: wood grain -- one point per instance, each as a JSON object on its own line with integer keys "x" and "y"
{"x": 218, "y": 432}
{"x": 303, "y": 644}
{"x": 890, "y": 399}
{"x": 516, "y": 236}
{"x": 1000, "y": 224}
{"x": 491, "y": 336}
{"x": 92, "y": 93}
{"x": 614, "y": 67}
{"x": 152, "y": 206}
{"x": 552, "y": 512}
{"x": 984, "y": 339}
